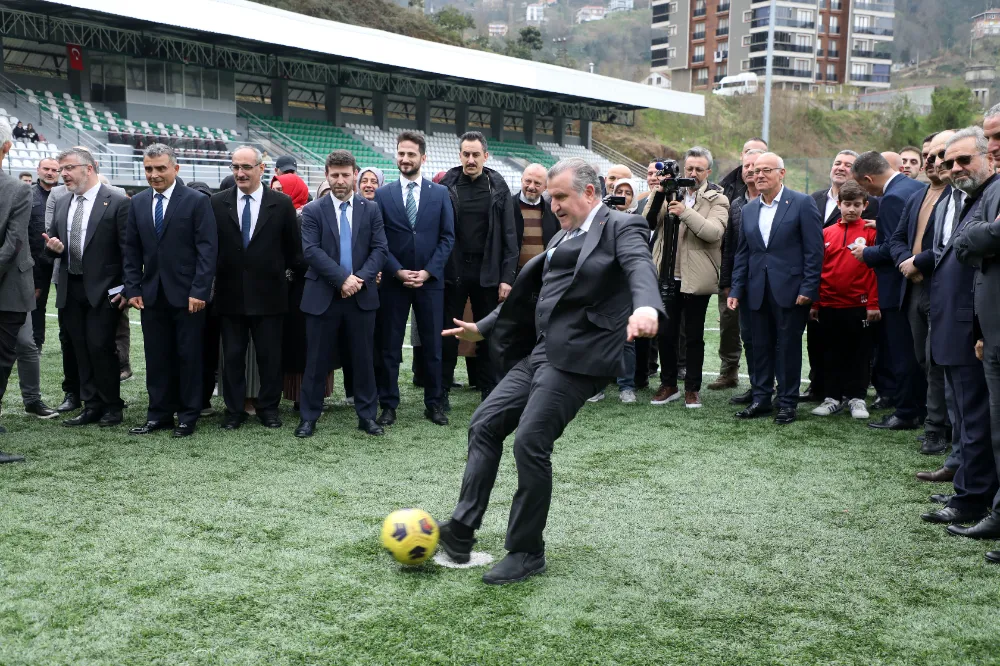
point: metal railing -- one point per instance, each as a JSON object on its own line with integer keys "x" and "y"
{"x": 609, "y": 153}
{"x": 259, "y": 129}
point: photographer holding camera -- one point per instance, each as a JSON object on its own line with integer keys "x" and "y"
{"x": 690, "y": 222}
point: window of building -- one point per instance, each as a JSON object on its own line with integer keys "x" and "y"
{"x": 672, "y": 30}
{"x": 744, "y": 65}
{"x": 746, "y": 40}
{"x": 831, "y": 72}
{"x": 699, "y": 53}
{"x": 748, "y": 16}
{"x": 834, "y": 25}
{"x": 701, "y": 76}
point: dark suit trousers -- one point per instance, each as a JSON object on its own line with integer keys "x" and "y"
{"x": 910, "y": 382}
{"x": 10, "y": 324}
{"x": 43, "y": 283}
{"x": 342, "y": 321}
{"x": 815, "y": 339}
{"x": 236, "y": 333}
{"x": 91, "y": 332}
{"x": 428, "y": 308}
{"x": 173, "y": 341}
{"x": 484, "y": 301}
{"x": 539, "y": 401}
{"x": 686, "y": 312}
{"x": 843, "y": 339}
{"x": 991, "y": 366}
{"x": 976, "y": 477}
{"x": 917, "y": 314}
{"x": 777, "y": 349}
{"x": 71, "y": 373}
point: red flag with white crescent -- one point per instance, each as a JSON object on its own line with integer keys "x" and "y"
{"x": 75, "y": 53}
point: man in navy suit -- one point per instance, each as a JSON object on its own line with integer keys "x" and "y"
{"x": 953, "y": 342}
{"x": 420, "y": 230}
{"x": 909, "y": 389}
{"x": 778, "y": 264}
{"x": 343, "y": 243}
{"x": 171, "y": 244}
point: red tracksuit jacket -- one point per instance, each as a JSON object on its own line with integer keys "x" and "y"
{"x": 846, "y": 282}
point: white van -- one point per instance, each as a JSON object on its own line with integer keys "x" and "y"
{"x": 740, "y": 84}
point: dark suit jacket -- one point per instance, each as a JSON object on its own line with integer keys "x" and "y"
{"x": 426, "y": 247}
{"x": 321, "y": 250}
{"x": 870, "y": 213}
{"x": 252, "y": 281}
{"x": 952, "y": 300}
{"x": 878, "y": 256}
{"x": 903, "y": 238}
{"x": 103, "y": 247}
{"x": 586, "y": 334}
{"x": 550, "y": 225}
{"x": 977, "y": 244}
{"x": 183, "y": 261}
{"x": 792, "y": 260}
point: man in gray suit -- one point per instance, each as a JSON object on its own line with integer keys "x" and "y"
{"x": 17, "y": 288}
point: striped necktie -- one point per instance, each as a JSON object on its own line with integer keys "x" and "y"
{"x": 411, "y": 205}
{"x": 158, "y": 216}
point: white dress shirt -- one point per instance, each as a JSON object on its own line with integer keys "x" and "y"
{"x": 831, "y": 203}
{"x": 166, "y": 200}
{"x": 403, "y": 182}
{"x": 89, "y": 197}
{"x": 951, "y": 215}
{"x": 886, "y": 186}
{"x": 767, "y": 213}
{"x": 241, "y": 203}
{"x": 350, "y": 209}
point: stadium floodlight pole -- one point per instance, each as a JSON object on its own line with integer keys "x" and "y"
{"x": 769, "y": 71}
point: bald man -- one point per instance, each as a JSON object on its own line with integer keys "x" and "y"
{"x": 616, "y": 173}
{"x": 894, "y": 160}
{"x": 533, "y": 219}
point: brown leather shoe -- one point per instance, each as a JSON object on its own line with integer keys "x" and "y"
{"x": 941, "y": 475}
{"x": 724, "y": 382}
{"x": 692, "y": 400}
{"x": 666, "y": 394}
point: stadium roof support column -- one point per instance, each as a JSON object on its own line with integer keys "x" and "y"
{"x": 558, "y": 129}
{"x": 279, "y": 98}
{"x": 79, "y": 79}
{"x": 496, "y": 123}
{"x": 461, "y": 118}
{"x": 423, "y": 115}
{"x": 529, "y": 127}
{"x": 586, "y": 136}
{"x": 380, "y": 110}
{"x": 332, "y": 97}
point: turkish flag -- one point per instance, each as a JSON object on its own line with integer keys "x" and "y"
{"x": 75, "y": 53}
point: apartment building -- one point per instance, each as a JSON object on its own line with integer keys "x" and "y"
{"x": 820, "y": 45}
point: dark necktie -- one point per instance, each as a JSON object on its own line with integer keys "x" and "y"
{"x": 568, "y": 237}
{"x": 245, "y": 219}
{"x": 76, "y": 239}
{"x": 346, "y": 261}
{"x": 158, "y": 216}
{"x": 411, "y": 205}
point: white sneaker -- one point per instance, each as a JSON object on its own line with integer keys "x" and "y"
{"x": 597, "y": 398}
{"x": 627, "y": 396}
{"x": 829, "y": 406}
{"x": 858, "y": 408}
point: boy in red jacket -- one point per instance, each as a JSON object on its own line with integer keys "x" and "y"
{"x": 848, "y": 301}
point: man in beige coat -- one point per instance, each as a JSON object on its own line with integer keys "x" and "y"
{"x": 702, "y": 215}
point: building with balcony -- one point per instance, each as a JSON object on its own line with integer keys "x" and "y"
{"x": 620, "y": 6}
{"x": 534, "y": 13}
{"x": 590, "y": 13}
{"x": 820, "y": 45}
{"x": 986, "y": 24}
{"x": 497, "y": 29}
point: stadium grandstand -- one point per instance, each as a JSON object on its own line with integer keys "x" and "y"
{"x": 208, "y": 75}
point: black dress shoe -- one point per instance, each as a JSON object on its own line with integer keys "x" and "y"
{"x": 458, "y": 548}
{"x": 305, "y": 429}
{"x": 233, "y": 421}
{"x": 744, "y": 398}
{"x": 70, "y": 403}
{"x": 940, "y": 498}
{"x": 10, "y": 458}
{"x": 515, "y": 567}
{"x": 950, "y": 515}
{"x": 754, "y": 411}
{"x": 883, "y": 403}
{"x": 387, "y": 418}
{"x": 151, "y": 426}
{"x": 987, "y": 528}
{"x": 993, "y": 556}
{"x": 184, "y": 430}
{"x": 893, "y": 422}
{"x": 369, "y": 426}
{"x": 435, "y": 415}
{"x": 269, "y": 420}
{"x": 933, "y": 444}
{"x": 785, "y": 416}
{"x": 86, "y": 417}
{"x": 112, "y": 417}
{"x": 809, "y": 396}
{"x": 41, "y": 410}
{"x": 940, "y": 475}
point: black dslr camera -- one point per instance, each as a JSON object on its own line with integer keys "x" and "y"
{"x": 611, "y": 201}
{"x": 669, "y": 172}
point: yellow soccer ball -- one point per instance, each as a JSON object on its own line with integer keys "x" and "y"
{"x": 411, "y": 535}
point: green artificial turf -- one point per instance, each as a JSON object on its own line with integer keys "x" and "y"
{"x": 675, "y": 537}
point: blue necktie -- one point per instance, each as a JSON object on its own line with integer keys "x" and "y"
{"x": 411, "y": 205}
{"x": 345, "y": 240}
{"x": 158, "y": 216}
{"x": 245, "y": 219}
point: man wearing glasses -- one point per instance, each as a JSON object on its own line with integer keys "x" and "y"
{"x": 702, "y": 215}
{"x": 258, "y": 241}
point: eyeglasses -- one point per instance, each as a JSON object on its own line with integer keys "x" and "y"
{"x": 69, "y": 167}
{"x": 236, "y": 168}
{"x": 963, "y": 161}
{"x": 766, "y": 171}
{"x": 932, "y": 157}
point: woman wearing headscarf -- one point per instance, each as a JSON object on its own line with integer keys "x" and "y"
{"x": 294, "y": 187}
{"x": 369, "y": 180}
{"x": 628, "y": 188}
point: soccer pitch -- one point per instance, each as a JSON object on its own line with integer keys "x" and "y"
{"x": 675, "y": 537}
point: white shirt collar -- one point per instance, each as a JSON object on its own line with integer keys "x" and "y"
{"x": 256, "y": 195}
{"x": 585, "y": 227}
{"x": 403, "y": 180}
{"x": 886, "y": 186}
{"x": 91, "y": 194}
{"x": 525, "y": 199}
{"x": 167, "y": 193}
{"x": 830, "y": 195}
{"x": 337, "y": 202}
{"x": 775, "y": 201}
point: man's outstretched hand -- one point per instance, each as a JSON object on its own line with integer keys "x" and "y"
{"x": 642, "y": 326}
{"x": 465, "y": 331}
